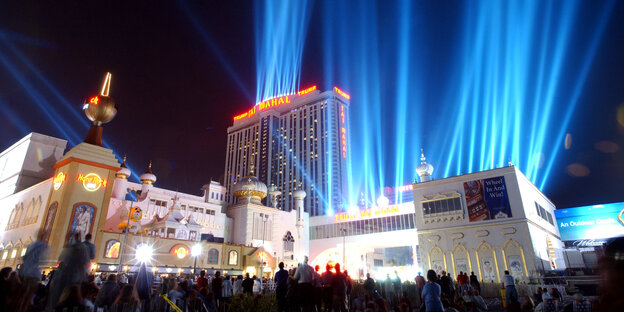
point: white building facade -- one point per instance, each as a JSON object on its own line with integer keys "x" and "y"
{"x": 487, "y": 222}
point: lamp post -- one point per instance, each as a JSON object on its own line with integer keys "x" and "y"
{"x": 131, "y": 196}
{"x": 265, "y": 218}
{"x": 195, "y": 251}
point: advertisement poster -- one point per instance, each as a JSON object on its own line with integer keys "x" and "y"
{"x": 461, "y": 265}
{"x": 515, "y": 266}
{"x": 487, "y": 199}
{"x": 590, "y": 225}
{"x": 438, "y": 267}
{"x": 487, "y": 265}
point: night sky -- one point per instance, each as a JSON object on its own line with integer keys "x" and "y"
{"x": 177, "y": 82}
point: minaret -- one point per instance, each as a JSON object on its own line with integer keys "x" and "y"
{"x": 424, "y": 170}
{"x": 121, "y": 181}
{"x": 299, "y": 195}
{"x": 273, "y": 193}
{"x": 79, "y": 205}
{"x": 147, "y": 179}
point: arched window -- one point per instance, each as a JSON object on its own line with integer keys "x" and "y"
{"x": 289, "y": 242}
{"x": 233, "y": 258}
{"x": 112, "y": 249}
{"x": 213, "y": 256}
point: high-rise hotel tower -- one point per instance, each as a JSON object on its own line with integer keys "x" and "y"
{"x": 295, "y": 142}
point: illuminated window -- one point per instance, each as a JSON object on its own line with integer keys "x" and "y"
{"x": 5, "y": 254}
{"x": 23, "y": 252}
{"x": 233, "y": 258}
{"x": 112, "y": 249}
{"x": 14, "y": 253}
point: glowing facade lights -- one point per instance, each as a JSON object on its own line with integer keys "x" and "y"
{"x": 342, "y": 93}
{"x": 91, "y": 182}
{"x": 58, "y": 180}
{"x": 343, "y": 133}
{"x": 196, "y": 250}
{"x": 368, "y": 213}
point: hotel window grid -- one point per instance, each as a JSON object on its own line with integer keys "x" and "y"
{"x": 366, "y": 226}
{"x": 447, "y": 205}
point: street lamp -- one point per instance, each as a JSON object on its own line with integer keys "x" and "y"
{"x": 195, "y": 251}
{"x": 265, "y": 218}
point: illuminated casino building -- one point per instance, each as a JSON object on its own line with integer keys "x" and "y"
{"x": 295, "y": 141}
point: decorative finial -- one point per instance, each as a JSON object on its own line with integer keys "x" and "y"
{"x": 123, "y": 164}
{"x": 149, "y": 167}
{"x": 100, "y": 109}
{"x": 423, "y": 159}
{"x": 251, "y": 169}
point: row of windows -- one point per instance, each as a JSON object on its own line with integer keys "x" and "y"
{"x": 367, "y": 226}
{"x": 442, "y": 206}
{"x": 544, "y": 214}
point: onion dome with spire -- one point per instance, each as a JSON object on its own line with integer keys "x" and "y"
{"x": 100, "y": 109}
{"x": 123, "y": 172}
{"x": 251, "y": 187}
{"x": 424, "y": 170}
{"x": 148, "y": 177}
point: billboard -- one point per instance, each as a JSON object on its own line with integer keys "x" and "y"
{"x": 487, "y": 199}
{"x": 590, "y": 225}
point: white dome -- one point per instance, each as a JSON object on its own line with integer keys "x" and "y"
{"x": 424, "y": 169}
{"x": 299, "y": 194}
{"x": 148, "y": 177}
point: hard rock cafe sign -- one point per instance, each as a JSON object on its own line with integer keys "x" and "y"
{"x": 58, "y": 180}
{"x": 91, "y": 182}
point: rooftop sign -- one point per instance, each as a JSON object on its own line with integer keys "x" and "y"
{"x": 273, "y": 102}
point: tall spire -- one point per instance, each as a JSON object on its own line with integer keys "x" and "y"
{"x": 106, "y": 85}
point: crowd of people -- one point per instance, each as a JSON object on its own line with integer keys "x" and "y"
{"x": 72, "y": 287}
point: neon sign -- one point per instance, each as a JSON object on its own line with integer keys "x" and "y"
{"x": 367, "y": 214}
{"x": 343, "y": 133}
{"x": 58, "y": 180}
{"x": 91, "y": 182}
{"x": 94, "y": 100}
{"x": 306, "y": 91}
{"x": 342, "y": 93}
{"x": 278, "y": 101}
{"x": 180, "y": 252}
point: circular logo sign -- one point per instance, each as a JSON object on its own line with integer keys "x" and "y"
{"x": 91, "y": 182}
{"x": 58, "y": 180}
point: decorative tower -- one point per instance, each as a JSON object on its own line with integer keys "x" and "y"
{"x": 299, "y": 195}
{"x": 121, "y": 180}
{"x": 424, "y": 170}
{"x": 273, "y": 193}
{"x": 147, "y": 179}
{"x": 79, "y": 205}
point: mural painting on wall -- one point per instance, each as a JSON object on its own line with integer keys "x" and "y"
{"x": 81, "y": 221}
{"x": 487, "y": 199}
{"x": 488, "y": 269}
{"x": 515, "y": 266}
{"x": 438, "y": 267}
{"x": 49, "y": 221}
{"x": 461, "y": 265}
